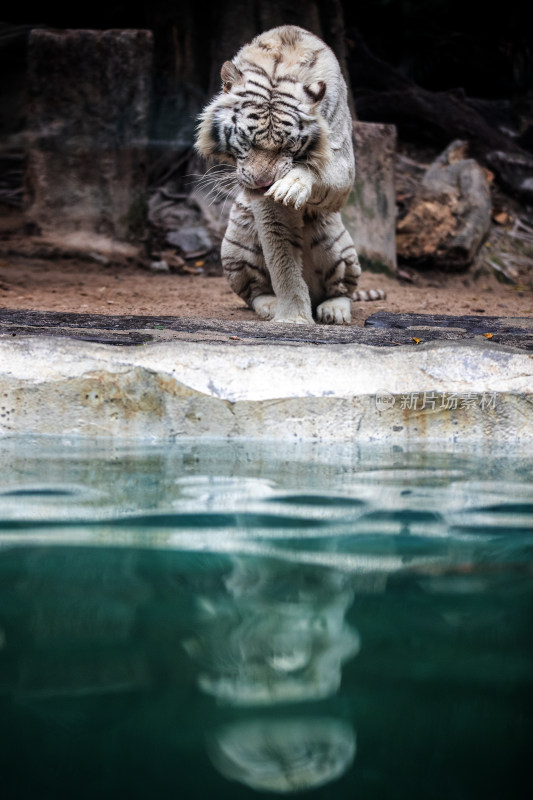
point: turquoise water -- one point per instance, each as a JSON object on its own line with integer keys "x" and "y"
{"x": 241, "y": 620}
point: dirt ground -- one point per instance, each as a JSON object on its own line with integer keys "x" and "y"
{"x": 198, "y": 288}
{"x": 85, "y": 287}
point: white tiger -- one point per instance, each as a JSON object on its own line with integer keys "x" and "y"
{"x": 282, "y": 119}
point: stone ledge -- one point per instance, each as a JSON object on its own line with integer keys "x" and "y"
{"x": 456, "y": 391}
{"x": 382, "y": 329}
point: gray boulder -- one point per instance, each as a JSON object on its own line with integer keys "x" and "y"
{"x": 192, "y": 241}
{"x": 450, "y": 215}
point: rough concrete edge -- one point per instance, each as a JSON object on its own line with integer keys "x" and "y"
{"x": 440, "y": 391}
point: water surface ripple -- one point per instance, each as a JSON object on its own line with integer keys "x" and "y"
{"x": 242, "y": 620}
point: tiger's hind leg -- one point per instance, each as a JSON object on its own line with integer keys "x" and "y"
{"x": 243, "y": 262}
{"x": 335, "y": 267}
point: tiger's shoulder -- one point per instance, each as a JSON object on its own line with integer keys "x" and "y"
{"x": 289, "y": 45}
{"x": 293, "y": 55}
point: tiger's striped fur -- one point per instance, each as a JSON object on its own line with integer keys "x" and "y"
{"x": 282, "y": 119}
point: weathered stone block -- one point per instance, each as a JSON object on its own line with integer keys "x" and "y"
{"x": 370, "y": 214}
{"x": 88, "y": 116}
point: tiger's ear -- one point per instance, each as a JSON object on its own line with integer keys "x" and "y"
{"x": 316, "y": 91}
{"x": 229, "y": 74}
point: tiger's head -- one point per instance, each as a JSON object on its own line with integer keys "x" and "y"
{"x": 263, "y": 125}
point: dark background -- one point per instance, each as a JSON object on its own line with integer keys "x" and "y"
{"x": 441, "y": 46}
{"x": 438, "y": 43}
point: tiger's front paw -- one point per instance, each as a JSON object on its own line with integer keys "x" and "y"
{"x": 294, "y": 319}
{"x": 292, "y": 190}
{"x": 335, "y": 311}
{"x": 296, "y": 311}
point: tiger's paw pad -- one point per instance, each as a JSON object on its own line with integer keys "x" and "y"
{"x": 290, "y": 190}
{"x": 335, "y": 311}
{"x": 264, "y": 305}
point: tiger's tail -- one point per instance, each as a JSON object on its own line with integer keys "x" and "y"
{"x": 371, "y": 294}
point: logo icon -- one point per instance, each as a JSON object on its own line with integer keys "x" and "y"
{"x": 384, "y": 399}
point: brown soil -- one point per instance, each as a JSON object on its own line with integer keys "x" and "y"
{"x": 81, "y": 286}
{"x": 199, "y": 290}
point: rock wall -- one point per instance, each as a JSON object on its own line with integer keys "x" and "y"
{"x": 88, "y": 124}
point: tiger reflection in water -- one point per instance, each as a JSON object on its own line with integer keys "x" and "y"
{"x": 282, "y": 120}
